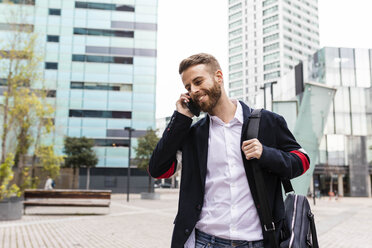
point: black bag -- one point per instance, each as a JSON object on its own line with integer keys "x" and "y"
{"x": 300, "y": 221}
{"x": 298, "y": 216}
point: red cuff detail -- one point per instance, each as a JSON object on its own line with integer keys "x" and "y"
{"x": 169, "y": 173}
{"x": 304, "y": 160}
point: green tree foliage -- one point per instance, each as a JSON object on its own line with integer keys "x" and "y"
{"x": 145, "y": 146}
{"x": 6, "y": 176}
{"x": 50, "y": 162}
{"x": 79, "y": 153}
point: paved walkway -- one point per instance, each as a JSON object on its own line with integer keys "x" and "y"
{"x": 145, "y": 224}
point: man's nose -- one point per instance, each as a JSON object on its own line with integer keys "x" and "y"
{"x": 194, "y": 89}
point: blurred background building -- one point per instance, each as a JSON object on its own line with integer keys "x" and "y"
{"x": 99, "y": 63}
{"x": 345, "y": 152}
{"x": 266, "y": 40}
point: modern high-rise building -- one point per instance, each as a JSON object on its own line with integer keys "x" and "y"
{"x": 266, "y": 39}
{"x": 100, "y": 60}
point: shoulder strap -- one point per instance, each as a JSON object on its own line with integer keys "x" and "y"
{"x": 269, "y": 226}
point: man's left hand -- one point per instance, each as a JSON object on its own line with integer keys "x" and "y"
{"x": 252, "y": 149}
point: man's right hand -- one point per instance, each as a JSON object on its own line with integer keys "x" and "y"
{"x": 181, "y": 105}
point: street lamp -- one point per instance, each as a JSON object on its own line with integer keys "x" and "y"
{"x": 129, "y": 129}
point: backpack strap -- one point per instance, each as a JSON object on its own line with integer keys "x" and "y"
{"x": 268, "y": 223}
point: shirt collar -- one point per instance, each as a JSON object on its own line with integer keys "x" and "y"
{"x": 238, "y": 117}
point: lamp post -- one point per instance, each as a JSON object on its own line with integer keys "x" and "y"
{"x": 129, "y": 129}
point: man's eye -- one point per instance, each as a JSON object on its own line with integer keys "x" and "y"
{"x": 198, "y": 82}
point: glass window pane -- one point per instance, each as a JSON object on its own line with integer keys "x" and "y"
{"x": 332, "y": 66}
{"x": 362, "y": 68}
{"x": 347, "y": 66}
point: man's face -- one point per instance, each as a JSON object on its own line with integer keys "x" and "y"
{"x": 202, "y": 86}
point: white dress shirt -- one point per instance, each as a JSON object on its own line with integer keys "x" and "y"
{"x": 228, "y": 211}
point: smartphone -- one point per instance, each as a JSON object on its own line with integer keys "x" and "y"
{"x": 194, "y": 108}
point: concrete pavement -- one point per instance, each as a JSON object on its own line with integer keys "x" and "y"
{"x": 346, "y": 222}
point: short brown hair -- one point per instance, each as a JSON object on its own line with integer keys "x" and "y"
{"x": 197, "y": 59}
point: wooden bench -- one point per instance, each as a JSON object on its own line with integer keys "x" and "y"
{"x": 62, "y": 201}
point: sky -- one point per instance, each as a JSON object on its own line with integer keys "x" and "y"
{"x": 186, "y": 27}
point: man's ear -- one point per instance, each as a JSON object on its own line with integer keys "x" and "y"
{"x": 219, "y": 76}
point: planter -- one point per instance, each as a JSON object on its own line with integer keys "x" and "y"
{"x": 150, "y": 196}
{"x": 11, "y": 208}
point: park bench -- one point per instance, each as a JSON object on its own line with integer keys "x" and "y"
{"x": 66, "y": 201}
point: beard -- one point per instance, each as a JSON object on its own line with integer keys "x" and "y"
{"x": 214, "y": 94}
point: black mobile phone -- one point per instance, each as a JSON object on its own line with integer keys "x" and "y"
{"x": 194, "y": 108}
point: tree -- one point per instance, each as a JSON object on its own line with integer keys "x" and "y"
{"x": 49, "y": 161}
{"x": 79, "y": 152}
{"x": 26, "y": 116}
{"x": 145, "y": 147}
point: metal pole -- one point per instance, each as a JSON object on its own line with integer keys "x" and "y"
{"x": 129, "y": 129}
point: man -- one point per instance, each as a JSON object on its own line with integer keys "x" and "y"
{"x": 218, "y": 205}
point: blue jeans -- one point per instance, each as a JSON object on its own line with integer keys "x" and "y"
{"x": 204, "y": 240}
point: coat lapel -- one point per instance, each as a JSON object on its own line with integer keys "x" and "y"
{"x": 201, "y": 142}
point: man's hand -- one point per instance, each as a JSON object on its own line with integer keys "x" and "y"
{"x": 252, "y": 149}
{"x": 181, "y": 105}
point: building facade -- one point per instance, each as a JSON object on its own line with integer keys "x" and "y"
{"x": 345, "y": 153}
{"x": 266, "y": 40}
{"x": 100, "y": 60}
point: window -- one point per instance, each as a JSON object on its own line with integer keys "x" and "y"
{"x": 104, "y": 6}
{"x": 270, "y": 10}
{"x": 235, "y": 24}
{"x": 270, "y": 38}
{"x": 51, "y": 66}
{"x": 235, "y": 16}
{"x": 271, "y": 66}
{"x": 100, "y": 114}
{"x": 111, "y": 142}
{"x": 17, "y": 27}
{"x": 102, "y": 59}
{"x": 270, "y": 19}
{"x": 101, "y": 86}
{"x": 53, "y": 38}
{"x": 236, "y": 49}
{"x": 236, "y": 66}
{"x": 236, "y": 84}
{"x": 103, "y": 32}
{"x": 268, "y": 2}
{"x": 235, "y": 7}
{"x": 270, "y": 28}
{"x": 51, "y": 93}
{"x": 271, "y": 47}
{"x": 272, "y": 75}
{"x": 27, "y": 2}
{"x": 55, "y": 12}
{"x": 235, "y": 75}
{"x": 235, "y": 58}
{"x": 232, "y": 1}
{"x": 236, "y": 92}
{"x": 271, "y": 56}
{"x": 235, "y": 32}
{"x": 235, "y": 41}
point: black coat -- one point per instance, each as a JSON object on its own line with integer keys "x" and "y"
{"x": 280, "y": 159}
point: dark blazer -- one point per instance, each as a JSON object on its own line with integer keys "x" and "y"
{"x": 280, "y": 158}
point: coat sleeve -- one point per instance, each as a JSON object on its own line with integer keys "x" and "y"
{"x": 288, "y": 159}
{"x": 163, "y": 161}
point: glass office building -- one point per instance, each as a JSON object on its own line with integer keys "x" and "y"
{"x": 100, "y": 59}
{"x": 345, "y": 152}
{"x": 346, "y": 148}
